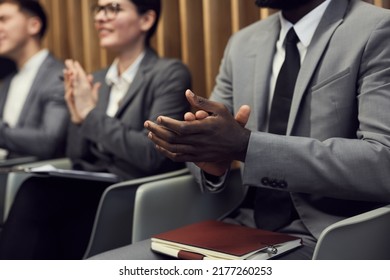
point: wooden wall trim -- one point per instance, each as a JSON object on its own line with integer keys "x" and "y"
{"x": 195, "y": 31}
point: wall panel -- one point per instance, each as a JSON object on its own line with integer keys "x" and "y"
{"x": 217, "y": 29}
{"x": 74, "y": 30}
{"x": 192, "y": 44}
{"x": 168, "y": 39}
{"x": 195, "y": 31}
{"x": 243, "y": 13}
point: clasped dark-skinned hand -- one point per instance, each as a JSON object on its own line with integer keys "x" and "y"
{"x": 211, "y": 137}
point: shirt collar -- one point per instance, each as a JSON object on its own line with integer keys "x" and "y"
{"x": 35, "y": 61}
{"x": 112, "y": 76}
{"x": 306, "y": 26}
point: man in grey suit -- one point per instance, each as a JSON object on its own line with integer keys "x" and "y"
{"x": 33, "y": 114}
{"x": 333, "y": 160}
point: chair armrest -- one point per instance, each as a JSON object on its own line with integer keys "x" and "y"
{"x": 364, "y": 236}
{"x": 17, "y": 161}
{"x": 6, "y": 165}
{"x": 114, "y": 218}
{"x": 168, "y": 204}
{"x": 61, "y": 163}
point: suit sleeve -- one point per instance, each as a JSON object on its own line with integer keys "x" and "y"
{"x": 131, "y": 145}
{"x": 77, "y": 147}
{"x": 45, "y": 140}
{"x": 353, "y": 169}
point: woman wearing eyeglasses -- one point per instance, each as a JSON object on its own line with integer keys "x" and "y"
{"x": 109, "y": 111}
{"x": 51, "y": 218}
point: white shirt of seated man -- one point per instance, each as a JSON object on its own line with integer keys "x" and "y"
{"x": 19, "y": 89}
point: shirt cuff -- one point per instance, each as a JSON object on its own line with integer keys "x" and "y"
{"x": 214, "y": 184}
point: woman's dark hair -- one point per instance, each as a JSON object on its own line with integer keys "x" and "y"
{"x": 31, "y": 7}
{"x": 145, "y": 5}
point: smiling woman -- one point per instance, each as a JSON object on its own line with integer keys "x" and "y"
{"x": 123, "y": 26}
{"x": 137, "y": 85}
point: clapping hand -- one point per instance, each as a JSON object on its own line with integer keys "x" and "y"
{"x": 211, "y": 137}
{"x": 80, "y": 92}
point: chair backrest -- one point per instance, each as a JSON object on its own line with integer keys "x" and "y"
{"x": 15, "y": 180}
{"x": 365, "y": 237}
{"x": 6, "y": 165}
{"x": 172, "y": 203}
{"x": 114, "y": 217}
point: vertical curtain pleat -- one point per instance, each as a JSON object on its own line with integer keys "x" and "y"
{"x": 195, "y": 31}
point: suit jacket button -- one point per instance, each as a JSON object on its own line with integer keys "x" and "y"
{"x": 283, "y": 184}
{"x": 265, "y": 181}
{"x": 274, "y": 183}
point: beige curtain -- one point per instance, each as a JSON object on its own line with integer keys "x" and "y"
{"x": 195, "y": 31}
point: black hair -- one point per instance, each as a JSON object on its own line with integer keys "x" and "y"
{"x": 33, "y": 8}
{"x": 145, "y": 5}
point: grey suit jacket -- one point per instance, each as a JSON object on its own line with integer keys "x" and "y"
{"x": 41, "y": 128}
{"x": 335, "y": 159}
{"x": 120, "y": 144}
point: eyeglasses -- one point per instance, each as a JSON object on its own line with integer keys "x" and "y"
{"x": 110, "y": 10}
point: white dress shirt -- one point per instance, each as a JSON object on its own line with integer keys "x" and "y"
{"x": 20, "y": 87}
{"x": 19, "y": 90}
{"x": 120, "y": 84}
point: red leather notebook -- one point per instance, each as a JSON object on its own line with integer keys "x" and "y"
{"x": 219, "y": 240}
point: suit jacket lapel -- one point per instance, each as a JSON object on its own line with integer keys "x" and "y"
{"x": 4, "y": 87}
{"x": 35, "y": 87}
{"x": 266, "y": 41}
{"x": 104, "y": 92}
{"x": 332, "y": 18}
{"x": 139, "y": 80}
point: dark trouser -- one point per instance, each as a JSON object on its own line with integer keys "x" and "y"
{"x": 51, "y": 218}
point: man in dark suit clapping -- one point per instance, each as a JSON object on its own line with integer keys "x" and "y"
{"x": 31, "y": 96}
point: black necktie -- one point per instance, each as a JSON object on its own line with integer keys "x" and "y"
{"x": 285, "y": 84}
{"x": 274, "y": 208}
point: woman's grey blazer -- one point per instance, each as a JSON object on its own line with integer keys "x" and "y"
{"x": 120, "y": 144}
